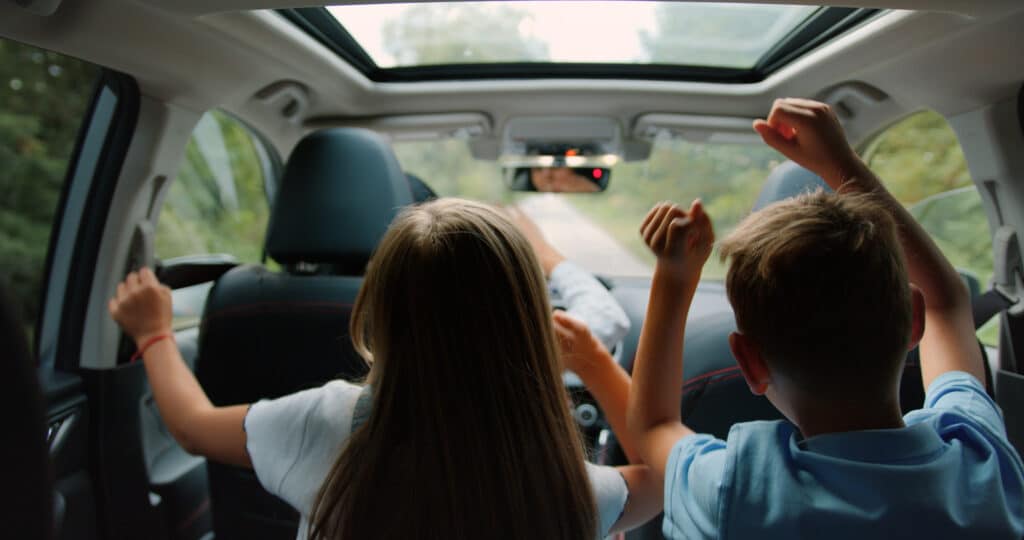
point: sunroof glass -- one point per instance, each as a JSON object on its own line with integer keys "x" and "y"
{"x": 621, "y": 32}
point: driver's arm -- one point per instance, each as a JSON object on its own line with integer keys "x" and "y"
{"x": 583, "y": 296}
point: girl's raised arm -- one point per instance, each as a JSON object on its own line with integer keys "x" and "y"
{"x": 142, "y": 307}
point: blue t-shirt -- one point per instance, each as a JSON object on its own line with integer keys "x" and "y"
{"x": 950, "y": 473}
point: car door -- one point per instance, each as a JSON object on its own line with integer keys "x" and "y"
{"x": 64, "y": 125}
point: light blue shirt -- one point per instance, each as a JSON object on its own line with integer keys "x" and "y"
{"x": 950, "y": 473}
{"x": 585, "y": 298}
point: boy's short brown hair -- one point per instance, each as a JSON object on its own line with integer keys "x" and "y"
{"x": 819, "y": 283}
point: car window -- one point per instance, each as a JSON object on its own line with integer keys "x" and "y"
{"x": 44, "y": 97}
{"x": 922, "y": 164}
{"x": 217, "y": 203}
{"x": 600, "y": 231}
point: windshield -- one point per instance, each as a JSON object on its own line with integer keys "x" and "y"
{"x": 698, "y": 34}
{"x": 600, "y": 231}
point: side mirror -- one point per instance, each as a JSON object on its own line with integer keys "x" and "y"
{"x": 558, "y": 179}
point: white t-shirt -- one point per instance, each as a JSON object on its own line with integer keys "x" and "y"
{"x": 294, "y": 440}
{"x": 585, "y": 298}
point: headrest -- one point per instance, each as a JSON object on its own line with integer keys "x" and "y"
{"x": 340, "y": 190}
{"x": 421, "y": 192}
{"x": 788, "y": 180}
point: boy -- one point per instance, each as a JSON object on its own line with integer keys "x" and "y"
{"x": 825, "y": 316}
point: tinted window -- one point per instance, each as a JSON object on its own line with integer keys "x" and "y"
{"x": 217, "y": 204}
{"x": 44, "y": 97}
{"x": 600, "y": 230}
{"x": 922, "y": 164}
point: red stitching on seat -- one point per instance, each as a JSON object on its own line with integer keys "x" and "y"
{"x": 716, "y": 381}
{"x": 266, "y": 306}
{"x": 709, "y": 374}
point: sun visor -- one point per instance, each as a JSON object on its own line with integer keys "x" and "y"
{"x": 416, "y": 127}
{"x": 548, "y": 141}
{"x": 695, "y": 128}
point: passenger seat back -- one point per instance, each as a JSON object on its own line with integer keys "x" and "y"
{"x": 267, "y": 334}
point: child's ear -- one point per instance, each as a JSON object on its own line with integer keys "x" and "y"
{"x": 751, "y": 362}
{"x": 916, "y": 316}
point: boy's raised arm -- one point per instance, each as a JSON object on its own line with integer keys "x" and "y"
{"x": 682, "y": 242}
{"x": 809, "y": 133}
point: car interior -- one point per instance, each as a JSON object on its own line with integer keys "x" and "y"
{"x": 253, "y": 152}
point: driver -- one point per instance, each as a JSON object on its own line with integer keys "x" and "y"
{"x": 560, "y": 180}
{"x": 580, "y": 293}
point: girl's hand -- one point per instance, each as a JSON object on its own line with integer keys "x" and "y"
{"x": 809, "y": 133}
{"x": 142, "y": 306}
{"x": 581, "y": 351}
{"x": 681, "y": 239}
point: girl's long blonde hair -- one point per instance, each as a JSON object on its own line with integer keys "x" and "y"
{"x": 470, "y": 435}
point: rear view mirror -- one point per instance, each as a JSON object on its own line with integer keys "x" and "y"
{"x": 558, "y": 179}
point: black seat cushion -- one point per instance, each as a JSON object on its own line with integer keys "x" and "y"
{"x": 287, "y": 333}
{"x": 266, "y": 334}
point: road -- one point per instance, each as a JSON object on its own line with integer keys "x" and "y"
{"x": 579, "y": 238}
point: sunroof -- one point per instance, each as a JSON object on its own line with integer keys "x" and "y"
{"x": 716, "y": 35}
{"x": 667, "y": 40}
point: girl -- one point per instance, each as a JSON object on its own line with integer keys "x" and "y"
{"x": 462, "y": 430}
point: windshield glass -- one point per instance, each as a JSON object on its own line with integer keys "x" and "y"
{"x": 600, "y": 231}
{"x": 679, "y": 33}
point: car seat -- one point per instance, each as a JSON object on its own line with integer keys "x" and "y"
{"x": 29, "y": 511}
{"x": 265, "y": 333}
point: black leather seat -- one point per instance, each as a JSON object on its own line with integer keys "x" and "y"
{"x": 266, "y": 334}
{"x": 28, "y": 509}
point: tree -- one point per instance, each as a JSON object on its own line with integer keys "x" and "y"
{"x": 43, "y": 99}
{"x": 465, "y": 32}
{"x": 716, "y": 35}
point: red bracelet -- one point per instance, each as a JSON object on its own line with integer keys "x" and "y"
{"x": 149, "y": 343}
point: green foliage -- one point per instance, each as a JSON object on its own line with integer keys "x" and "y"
{"x": 726, "y": 177}
{"x": 919, "y": 157}
{"x": 711, "y": 35}
{"x": 43, "y": 99}
{"x": 217, "y": 203}
{"x": 449, "y": 168}
{"x": 461, "y": 33}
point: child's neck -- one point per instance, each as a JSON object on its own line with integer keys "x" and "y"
{"x": 854, "y": 416}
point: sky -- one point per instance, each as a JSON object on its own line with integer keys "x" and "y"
{"x": 577, "y": 31}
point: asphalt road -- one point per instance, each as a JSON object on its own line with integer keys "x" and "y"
{"x": 579, "y": 238}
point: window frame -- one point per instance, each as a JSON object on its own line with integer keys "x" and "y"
{"x": 90, "y": 180}
{"x": 871, "y": 142}
{"x": 270, "y": 164}
{"x": 820, "y": 27}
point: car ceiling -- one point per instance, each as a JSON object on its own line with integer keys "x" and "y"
{"x": 952, "y": 56}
